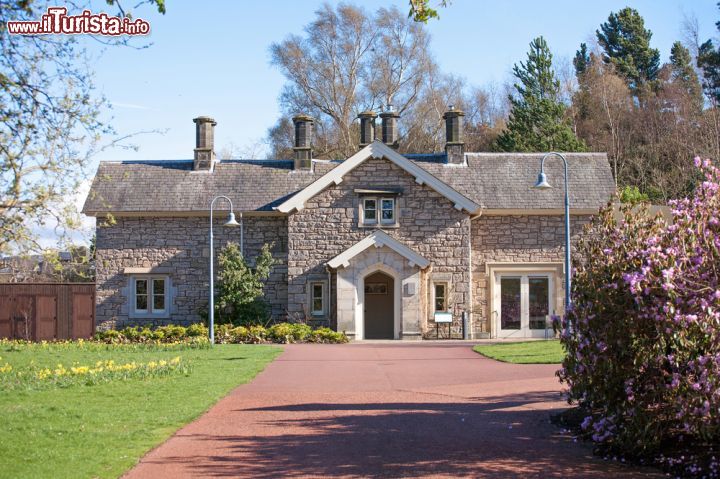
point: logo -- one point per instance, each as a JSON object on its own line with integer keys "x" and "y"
{"x": 56, "y": 21}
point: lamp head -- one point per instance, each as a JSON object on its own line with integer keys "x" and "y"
{"x": 231, "y": 220}
{"x": 542, "y": 183}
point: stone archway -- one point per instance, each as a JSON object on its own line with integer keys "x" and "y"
{"x": 379, "y": 306}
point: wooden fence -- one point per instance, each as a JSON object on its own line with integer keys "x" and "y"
{"x": 47, "y": 311}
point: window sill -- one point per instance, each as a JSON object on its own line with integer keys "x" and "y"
{"x": 134, "y": 315}
{"x": 379, "y": 226}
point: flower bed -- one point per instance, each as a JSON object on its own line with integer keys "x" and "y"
{"x": 644, "y": 343}
{"x": 33, "y": 377}
{"x": 197, "y": 334}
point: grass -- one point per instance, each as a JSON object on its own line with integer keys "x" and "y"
{"x": 526, "y": 352}
{"x": 102, "y": 430}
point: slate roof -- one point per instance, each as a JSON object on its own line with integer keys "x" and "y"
{"x": 173, "y": 186}
{"x": 505, "y": 180}
{"x": 492, "y": 180}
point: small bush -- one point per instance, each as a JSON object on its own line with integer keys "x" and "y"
{"x": 288, "y": 333}
{"x": 327, "y": 335}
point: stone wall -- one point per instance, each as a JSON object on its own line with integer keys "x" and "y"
{"x": 515, "y": 239}
{"x": 428, "y": 223}
{"x": 179, "y": 246}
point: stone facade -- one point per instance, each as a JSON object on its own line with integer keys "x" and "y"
{"x": 428, "y": 223}
{"x": 462, "y": 253}
{"x": 177, "y": 247}
{"x": 515, "y": 239}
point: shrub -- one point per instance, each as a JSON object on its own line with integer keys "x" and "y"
{"x": 327, "y": 335}
{"x": 644, "y": 329}
{"x": 282, "y": 333}
{"x": 162, "y": 334}
{"x": 240, "y": 286}
{"x": 288, "y": 333}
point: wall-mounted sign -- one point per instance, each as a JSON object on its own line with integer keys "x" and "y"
{"x": 441, "y": 317}
{"x": 376, "y": 288}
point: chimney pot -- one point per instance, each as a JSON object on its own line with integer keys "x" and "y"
{"x": 454, "y": 146}
{"x": 303, "y": 142}
{"x": 389, "y": 127}
{"x": 367, "y": 127}
{"x": 204, "y": 156}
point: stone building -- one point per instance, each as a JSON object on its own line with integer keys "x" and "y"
{"x": 379, "y": 245}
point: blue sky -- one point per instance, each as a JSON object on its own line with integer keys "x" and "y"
{"x": 211, "y": 58}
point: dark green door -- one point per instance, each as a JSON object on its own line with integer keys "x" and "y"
{"x": 379, "y": 306}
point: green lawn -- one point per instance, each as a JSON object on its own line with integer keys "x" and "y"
{"x": 102, "y": 430}
{"x": 526, "y": 352}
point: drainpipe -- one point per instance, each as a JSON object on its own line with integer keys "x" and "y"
{"x": 329, "y": 276}
{"x": 469, "y": 332}
{"x": 470, "y": 294}
{"x": 242, "y": 236}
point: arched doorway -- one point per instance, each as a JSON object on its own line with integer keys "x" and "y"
{"x": 379, "y": 306}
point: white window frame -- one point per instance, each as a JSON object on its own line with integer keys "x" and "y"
{"x": 365, "y": 220}
{"x": 524, "y": 276}
{"x": 135, "y": 295}
{"x": 378, "y": 221}
{"x": 446, "y": 285}
{"x": 393, "y": 220}
{"x": 323, "y": 297}
{"x": 150, "y": 310}
{"x": 164, "y": 296}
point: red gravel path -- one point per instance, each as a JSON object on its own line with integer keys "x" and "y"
{"x": 390, "y": 410}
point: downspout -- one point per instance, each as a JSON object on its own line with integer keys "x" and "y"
{"x": 471, "y": 333}
{"x": 329, "y": 276}
{"x": 242, "y": 250}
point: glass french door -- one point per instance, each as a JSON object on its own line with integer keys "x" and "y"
{"x": 523, "y": 305}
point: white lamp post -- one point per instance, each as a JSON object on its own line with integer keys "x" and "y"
{"x": 230, "y": 222}
{"x": 542, "y": 184}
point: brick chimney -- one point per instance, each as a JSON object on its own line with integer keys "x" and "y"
{"x": 303, "y": 140}
{"x": 454, "y": 144}
{"x": 367, "y": 128}
{"x": 204, "y": 143}
{"x": 389, "y": 127}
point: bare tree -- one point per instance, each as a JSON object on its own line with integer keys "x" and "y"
{"x": 348, "y": 61}
{"x": 50, "y": 122}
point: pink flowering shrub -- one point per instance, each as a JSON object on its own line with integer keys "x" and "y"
{"x": 644, "y": 330}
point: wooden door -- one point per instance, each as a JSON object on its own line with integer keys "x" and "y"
{"x": 45, "y": 318}
{"x": 83, "y": 312}
{"x": 379, "y": 306}
{"x": 6, "y": 317}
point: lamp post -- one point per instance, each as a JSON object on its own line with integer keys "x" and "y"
{"x": 230, "y": 222}
{"x": 542, "y": 184}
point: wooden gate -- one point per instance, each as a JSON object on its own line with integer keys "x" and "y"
{"x": 47, "y": 311}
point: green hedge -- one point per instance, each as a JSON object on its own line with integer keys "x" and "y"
{"x": 278, "y": 333}
{"x": 282, "y": 333}
{"x": 162, "y": 334}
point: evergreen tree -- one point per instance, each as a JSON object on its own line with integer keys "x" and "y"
{"x": 537, "y": 120}
{"x": 683, "y": 73}
{"x": 581, "y": 60}
{"x": 709, "y": 62}
{"x": 626, "y": 43}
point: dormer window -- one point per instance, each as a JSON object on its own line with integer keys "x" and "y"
{"x": 378, "y": 211}
{"x": 378, "y": 207}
